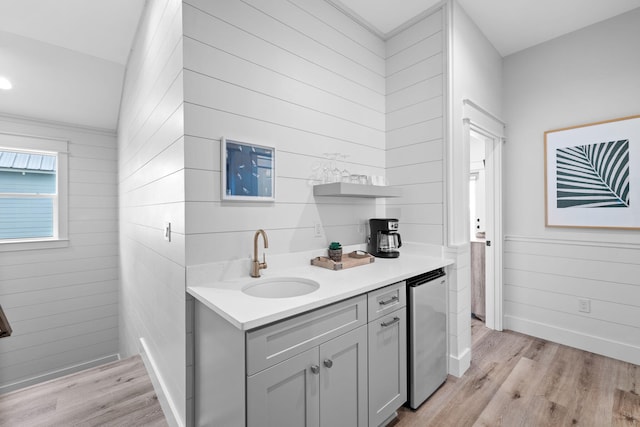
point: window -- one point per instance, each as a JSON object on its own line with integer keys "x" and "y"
{"x": 33, "y": 192}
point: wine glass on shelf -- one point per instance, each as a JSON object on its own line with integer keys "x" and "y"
{"x": 344, "y": 174}
{"x": 327, "y": 168}
{"x": 317, "y": 173}
{"x": 335, "y": 172}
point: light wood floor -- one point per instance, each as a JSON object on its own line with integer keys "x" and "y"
{"x": 116, "y": 394}
{"x": 514, "y": 380}
{"x": 517, "y": 380}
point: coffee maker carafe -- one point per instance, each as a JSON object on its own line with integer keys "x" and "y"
{"x": 384, "y": 239}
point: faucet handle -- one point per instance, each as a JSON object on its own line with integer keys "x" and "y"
{"x": 264, "y": 261}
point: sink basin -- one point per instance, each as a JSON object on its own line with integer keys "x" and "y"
{"x": 280, "y": 287}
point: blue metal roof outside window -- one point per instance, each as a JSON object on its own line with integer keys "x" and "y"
{"x": 27, "y": 161}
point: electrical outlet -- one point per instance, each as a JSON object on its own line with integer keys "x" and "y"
{"x": 584, "y": 305}
{"x": 362, "y": 228}
{"x": 317, "y": 229}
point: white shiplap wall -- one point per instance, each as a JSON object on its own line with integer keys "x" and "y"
{"x": 545, "y": 278}
{"x": 152, "y": 192}
{"x": 547, "y": 270}
{"x": 475, "y": 73}
{"x": 415, "y": 156}
{"x": 299, "y": 76}
{"x": 415, "y": 106}
{"x": 62, "y": 303}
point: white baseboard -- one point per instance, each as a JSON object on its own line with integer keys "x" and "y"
{"x": 598, "y": 345}
{"x": 167, "y": 404}
{"x": 6, "y": 388}
{"x": 459, "y": 365}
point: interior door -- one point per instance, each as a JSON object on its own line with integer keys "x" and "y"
{"x": 493, "y": 234}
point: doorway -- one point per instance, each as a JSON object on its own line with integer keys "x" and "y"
{"x": 477, "y": 225}
{"x": 484, "y": 134}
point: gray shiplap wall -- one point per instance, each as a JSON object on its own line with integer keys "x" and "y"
{"x": 63, "y": 303}
{"x": 415, "y": 106}
{"x": 299, "y": 76}
{"x": 151, "y": 192}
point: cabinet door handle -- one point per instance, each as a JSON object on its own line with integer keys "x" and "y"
{"x": 389, "y": 301}
{"x": 391, "y": 322}
{"x": 315, "y": 369}
{"x": 328, "y": 363}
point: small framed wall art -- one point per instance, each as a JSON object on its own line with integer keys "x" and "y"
{"x": 248, "y": 171}
{"x": 592, "y": 175}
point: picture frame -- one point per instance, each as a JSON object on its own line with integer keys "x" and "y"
{"x": 247, "y": 171}
{"x": 592, "y": 175}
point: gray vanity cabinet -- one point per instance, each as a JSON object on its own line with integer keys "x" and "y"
{"x": 310, "y": 370}
{"x": 343, "y": 364}
{"x": 387, "y": 349}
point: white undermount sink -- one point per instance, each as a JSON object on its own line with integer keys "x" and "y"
{"x": 280, "y": 287}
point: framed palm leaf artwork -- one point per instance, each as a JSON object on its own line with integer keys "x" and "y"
{"x": 592, "y": 175}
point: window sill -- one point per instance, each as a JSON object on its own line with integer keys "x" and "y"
{"x": 28, "y": 245}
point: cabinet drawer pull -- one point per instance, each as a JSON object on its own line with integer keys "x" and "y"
{"x": 389, "y": 301}
{"x": 328, "y": 363}
{"x": 391, "y": 322}
{"x": 315, "y": 369}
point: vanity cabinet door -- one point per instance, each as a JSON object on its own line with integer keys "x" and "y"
{"x": 343, "y": 380}
{"x": 387, "y": 365}
{"x": 286, "y": 394}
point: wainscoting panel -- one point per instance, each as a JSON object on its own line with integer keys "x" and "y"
{"x": 545, "y": 280}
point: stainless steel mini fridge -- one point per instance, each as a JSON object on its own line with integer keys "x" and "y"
{"x": 427, "y": 367}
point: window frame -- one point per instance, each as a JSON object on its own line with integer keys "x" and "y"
{"x": 60, "y": 149}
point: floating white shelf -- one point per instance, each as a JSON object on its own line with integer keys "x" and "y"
{"x": 344, "y": 189}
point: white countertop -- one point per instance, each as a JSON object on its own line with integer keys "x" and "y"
{"x": 218, "y": 286}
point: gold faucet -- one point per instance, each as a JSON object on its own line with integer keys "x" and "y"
{"x": 256, "y": 265}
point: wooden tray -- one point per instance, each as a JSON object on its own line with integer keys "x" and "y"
{"x": 348, "y": 261}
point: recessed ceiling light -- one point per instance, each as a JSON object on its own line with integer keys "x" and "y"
{"x": 5, "y": 84}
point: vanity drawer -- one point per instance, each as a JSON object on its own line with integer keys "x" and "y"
{"x": 279, "y": 341}
{"x": 387, "y": 299}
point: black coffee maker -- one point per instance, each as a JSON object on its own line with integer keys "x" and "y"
{"x": 384, "y": 239}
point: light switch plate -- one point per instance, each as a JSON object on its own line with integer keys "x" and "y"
{"x": 167, "y": 231}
